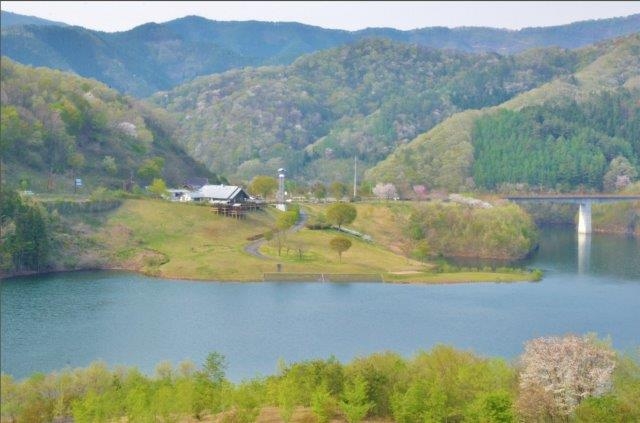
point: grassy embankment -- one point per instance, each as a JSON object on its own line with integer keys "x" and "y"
{"x": 190, "y": 242}
{"x": 385, "y": 222}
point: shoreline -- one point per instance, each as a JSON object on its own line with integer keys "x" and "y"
{"x": 443, "y": 278}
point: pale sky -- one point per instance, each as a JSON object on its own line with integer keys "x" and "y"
{"x": 350, "y": 15}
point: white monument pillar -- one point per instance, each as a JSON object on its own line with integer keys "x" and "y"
{"x": 280, "y": 203}
{"x": 584, "y": 218}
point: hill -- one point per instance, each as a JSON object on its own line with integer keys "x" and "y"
{"x": 57, "y": 126}
{"x": 8, "y": 19}
{"x": 575, "y": 132}
{"x": 155, "y": 57}
{"x": 365, "y": 99}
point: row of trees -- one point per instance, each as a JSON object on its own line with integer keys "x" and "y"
{"x": 447, "y": 229}
{"x": 570, "y": 378}
{"x": 566, "y": 144}
{"x": 265, "y": 186}
{"x": 24, "y": 233}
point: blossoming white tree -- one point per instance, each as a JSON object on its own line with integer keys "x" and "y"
{"x": 566, "y": 370}
{"x": 385, "y": 191}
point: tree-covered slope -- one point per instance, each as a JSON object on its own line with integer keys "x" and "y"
{"x": 363, "y": 100}
{"x": 576, "y": 132}
{"x": 56, "y": 126}
{"x": 8, "y": 19}
{"x": 155, "y": 57}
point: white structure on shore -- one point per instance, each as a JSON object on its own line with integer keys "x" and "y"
{"x": 228, "y": 194}
{"x": 280, "y": 201}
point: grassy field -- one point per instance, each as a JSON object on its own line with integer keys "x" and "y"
{"x": 186, "y": 241}
{"x": 183, "y": 241}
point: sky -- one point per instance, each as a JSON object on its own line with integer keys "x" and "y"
{"x": 349, "y": 15}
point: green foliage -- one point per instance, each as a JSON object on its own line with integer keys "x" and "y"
{"x": 571, "y": 128}
{"x": 383, "y": 374}
{"x": 263, "y": 185}
{"x": 319, "y": 190}
{"x": 109, "y": 165}
{"x": 440, "y": 158}
{"x": 605, "y": 409}
{"x": 287, "y": 219}
{"x": 158, "y": 187}
{"x": 492, "y": 407}
{"x": 214, "y": 367}
{"x": 560, "y": 144}
{"x": 56, "y": 125}
{"x": 365, "y": 99}
{"x": 341, "y": 213}
{"x": 279, "y": 234}
{"x": 447, "y": 229}
{"x": 323, "y": 404}
{"x": 354, "y": 403}
{"x": 340, "y": 244}
{"x": 420, "y": 402}
{"x": 151, "y": 168}
{"x": 287, "y": 398}
{"x": 374, "y": 99}
{"x": 443, "y": 384}
{"x": 338, "y": 190}
{"x": 318, "y": 222}
{"x": 24, "y": 233}
{"x": 448, "y": 384}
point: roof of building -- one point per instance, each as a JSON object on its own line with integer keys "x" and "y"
{"x": 218, "y": 192}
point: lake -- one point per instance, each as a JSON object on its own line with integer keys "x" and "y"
{"x": 69, "y": 320}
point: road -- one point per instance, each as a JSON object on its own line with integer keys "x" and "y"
{"x": 253, "y": 247}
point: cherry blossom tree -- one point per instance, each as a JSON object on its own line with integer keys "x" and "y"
{"x": 385, "y": 191}
{"x": 563, "y": 371}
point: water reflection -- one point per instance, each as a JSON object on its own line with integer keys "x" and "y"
{"x": 584, "y": 252}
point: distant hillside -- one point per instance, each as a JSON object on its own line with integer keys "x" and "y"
{"x": 575, "y": 132}
{"x": 364, "y": 100}
{"x": 8, "y": 19}
{"x": 57, "y": 126}
{"x": 156, "y": 57}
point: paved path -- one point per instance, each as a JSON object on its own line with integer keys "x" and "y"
{"x": 253, "y": 247}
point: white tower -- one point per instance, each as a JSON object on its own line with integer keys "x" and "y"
{"x": 280, "y": 204}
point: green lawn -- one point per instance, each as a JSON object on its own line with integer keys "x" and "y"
{"x": 186, "y": 241}
{"x": 194, "y": 242}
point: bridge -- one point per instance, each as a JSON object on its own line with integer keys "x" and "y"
{"x": 585, "y": 201}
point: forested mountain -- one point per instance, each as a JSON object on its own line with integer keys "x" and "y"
{"x": 577, "y": 132}
{"x": 57, "y": 126}
{"x": 363, "y": 100}
{"x": 8, "y": 19}
{"x": 155, "y": 57}
{"x": 571, "y": 120}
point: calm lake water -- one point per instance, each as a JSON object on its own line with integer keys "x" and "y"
{"x": 69, "y": 320}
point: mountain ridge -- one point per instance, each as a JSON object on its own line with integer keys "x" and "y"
{"x": 616, "y": 69}
{"x": 364, "y": 99}
{"x": 57, "y": 126}
{"x": 202, "y": 46}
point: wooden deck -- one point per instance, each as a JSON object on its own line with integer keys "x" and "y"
{"x": 237, "y": 211}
